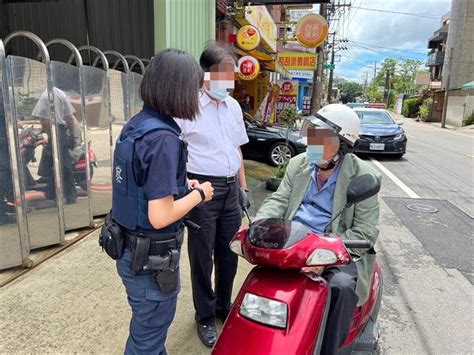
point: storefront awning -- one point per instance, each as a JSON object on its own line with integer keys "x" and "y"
{"x": 259, "y": 17}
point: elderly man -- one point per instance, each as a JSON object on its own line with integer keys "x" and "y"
{"x": 312, "y": 191}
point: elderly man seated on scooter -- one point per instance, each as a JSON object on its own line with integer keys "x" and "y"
{"x": 312, "y": 191}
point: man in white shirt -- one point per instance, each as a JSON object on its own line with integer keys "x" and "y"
{"x": 214, "y": 141}
{"x": 67, "y": 135}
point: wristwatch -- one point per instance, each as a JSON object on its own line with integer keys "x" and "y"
{"x": 201, "y": 192}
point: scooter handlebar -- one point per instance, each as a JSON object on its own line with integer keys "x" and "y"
{"x": 357, "y": 244}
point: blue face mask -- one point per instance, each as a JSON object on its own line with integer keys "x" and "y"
{"x": 219, "y": 94}
{"x": 315, "y": 154}
{"x": 218, "y": 89}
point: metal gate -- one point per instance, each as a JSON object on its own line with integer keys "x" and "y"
{"x": 98, "y": 113}
{"x": 69, "y": 101}
{"x": 58, "y": 124}
{"x": 13, "y": 248}
{"x": 33, "y": 111}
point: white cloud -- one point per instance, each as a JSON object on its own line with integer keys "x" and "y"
{"x": 384, "y": 29}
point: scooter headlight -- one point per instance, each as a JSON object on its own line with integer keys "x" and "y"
{"x": 264, "y": 310}
{"x": 321, "y": 257}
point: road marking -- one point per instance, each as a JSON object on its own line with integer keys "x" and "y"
{"x": 396, "y": 180}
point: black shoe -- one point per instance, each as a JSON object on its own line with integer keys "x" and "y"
{"x": 207, "y": 332}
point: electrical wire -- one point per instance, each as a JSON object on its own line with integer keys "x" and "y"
{"x": 385, "y": 53}
{"x": 399, "y": 12}
{"x": 393, "y": 49}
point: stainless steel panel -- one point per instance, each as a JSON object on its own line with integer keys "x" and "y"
{"x": 98, "y": 125}
{"x": 32, "y": 114}
{"x": 10, "y": 244}
{"x": 119, "y": 101}
{"x": 74, "y": 172}
{"x": 136, "y": 102}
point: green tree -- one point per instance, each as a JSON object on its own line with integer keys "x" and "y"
{"x": 350, "y": 91}
{"x": 402, "y": 79}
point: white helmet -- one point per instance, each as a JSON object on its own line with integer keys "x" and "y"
{"x": 342, "y": 119}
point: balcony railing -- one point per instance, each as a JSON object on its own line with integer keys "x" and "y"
{"x": 435, "y": 59}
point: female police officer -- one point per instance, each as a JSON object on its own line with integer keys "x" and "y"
{"x": 150, "y": 196}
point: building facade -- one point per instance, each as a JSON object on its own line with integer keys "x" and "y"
{"x": 459, "y": 62}
{"x": 139, "y": 27}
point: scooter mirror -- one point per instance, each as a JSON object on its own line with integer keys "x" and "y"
{"x": 361, "y": 188}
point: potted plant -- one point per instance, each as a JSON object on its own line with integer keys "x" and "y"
{"x": 289, "y": 116}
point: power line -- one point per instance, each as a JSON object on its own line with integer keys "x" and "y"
{"x": 385, "y": 53}
{"x": 423, "y": 53}
{"x": 399, "y": 13}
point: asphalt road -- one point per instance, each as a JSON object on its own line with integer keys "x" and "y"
{"x": 427, "y": 257}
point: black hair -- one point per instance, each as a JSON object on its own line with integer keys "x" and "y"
{"x": 171, "y": 84}
{"x": 216, "y": 53}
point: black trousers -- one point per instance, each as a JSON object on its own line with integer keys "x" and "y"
{"x": 343, "y": 303}
{"x": 219, "y": 219}
{"x": 46, "y": 167}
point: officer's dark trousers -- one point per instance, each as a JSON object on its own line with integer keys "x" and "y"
{"x": 152, "y": 310}
{"x": 343, "y": 302}
{"x": 219, "y": 219}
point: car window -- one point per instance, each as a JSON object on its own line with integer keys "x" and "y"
{"x": 374, "y": 117}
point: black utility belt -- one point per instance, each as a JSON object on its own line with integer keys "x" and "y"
{"x": 221, "y": 180}
{"x": 159, "y": 243}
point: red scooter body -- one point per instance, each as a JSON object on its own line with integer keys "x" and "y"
{"x": 281, "y": 248}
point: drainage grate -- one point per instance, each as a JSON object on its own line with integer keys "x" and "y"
{"x": 420, "y": 207}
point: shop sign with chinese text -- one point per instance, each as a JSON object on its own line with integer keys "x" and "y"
{"x": 302, "y": 74}
{"x": 288, "y": 95}
{"x": 248, "y": 68}
{"x": 311, "y": 30}
{"x": 297, "y": 61}
{"x": 248, "y": 38}
{"x": 259, "y": 17}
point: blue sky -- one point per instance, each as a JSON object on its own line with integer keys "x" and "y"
{"x": 369, "y": 31}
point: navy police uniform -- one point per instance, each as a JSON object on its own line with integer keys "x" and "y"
{"x": 149, "y": 164}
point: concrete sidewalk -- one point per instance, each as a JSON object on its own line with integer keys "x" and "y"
{"x": 76, "y": 303}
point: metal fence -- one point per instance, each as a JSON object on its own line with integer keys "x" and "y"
{"x": 58, "y": 123}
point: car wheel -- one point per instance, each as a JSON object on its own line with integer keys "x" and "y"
{"x": 398, "y": 156}
{"x": 280, "y": 153}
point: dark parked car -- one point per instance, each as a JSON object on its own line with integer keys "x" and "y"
{"x": 268, "y": 143}
{"x": 380, "y": 134}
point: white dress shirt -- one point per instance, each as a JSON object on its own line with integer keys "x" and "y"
{"x": 62, "y": 106}
{"x": 214, "y": 137}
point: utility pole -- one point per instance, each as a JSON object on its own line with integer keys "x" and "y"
{"x": 366, "y": 83}
{"x": 331, "y": 70}
{"x": 318, "y": 73}
{"x": 375, "y": 74}
{"x": 386, "y": 88}
{"x": 446, "y": 90}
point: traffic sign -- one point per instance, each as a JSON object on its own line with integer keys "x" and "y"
{"x": 329, "y": 66}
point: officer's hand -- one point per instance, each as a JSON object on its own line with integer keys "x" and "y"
{"x": 192, "y": 184}
{"x": 208, "y": 190}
